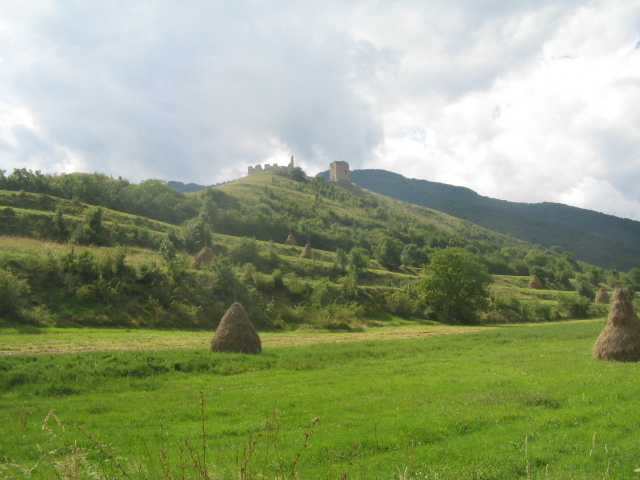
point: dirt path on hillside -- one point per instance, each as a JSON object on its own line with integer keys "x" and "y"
{"x": 85, "y": 340}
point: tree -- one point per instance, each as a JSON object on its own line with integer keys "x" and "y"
{"x": 91, "y": 232}
{"x": 387, "y": 251}
{"x": 13, "y": 291}
{"x": 357, "y": 261}
{"x": 456, "y": 286}
{"x": 197, "y": 235}
{"x": 60, "y": 224}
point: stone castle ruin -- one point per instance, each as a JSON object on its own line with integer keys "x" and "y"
{"x": 339, "y": 172}
{"x": 269, "y": 168}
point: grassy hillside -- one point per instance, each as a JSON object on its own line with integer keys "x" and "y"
{"x": 596, "y": 238}
{"x": 66, "y": 262}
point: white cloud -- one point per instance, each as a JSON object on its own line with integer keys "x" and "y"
{"x": 542, "y": 126}
{"x": 517, "y": 100}
{"x": 599, "y": 195}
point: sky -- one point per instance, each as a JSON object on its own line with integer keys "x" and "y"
{"x": 527, "y": 101}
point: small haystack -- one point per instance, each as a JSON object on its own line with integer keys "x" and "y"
{"x": 620, "y": 338}
{"x": 203, "y": 256}
{"x": 291, "y": 240}
{"x": 236, "y": 333}
{"x": 602, "y": 296}
{"x": 535, "y": 283}
{"x": 306, "y": 252}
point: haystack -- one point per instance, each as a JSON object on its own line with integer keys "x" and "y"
{"x": 203, "y": 256}
{"x": 535, "y": 282}
{"x": 236, "y": 333}
{"x": 306, "y": 252}
{"x": 620, "y": 338}
{"x": 291, "y": 240}
{"x": 602, "y": 296}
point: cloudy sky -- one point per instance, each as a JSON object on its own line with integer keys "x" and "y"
{"x": 526, "y": 101}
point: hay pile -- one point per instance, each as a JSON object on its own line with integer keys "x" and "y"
{"x": 236, "y": 333}
{"x": 306, "y": 252}
{"x": 291, "y": 240}
{"x": 602, "y": 296}
{"x": 535, "y": 283}
{"x": 620, "y": 338}
{"x": 203, "y": 256}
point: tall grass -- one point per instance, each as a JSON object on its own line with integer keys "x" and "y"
{"x": 515, "y": 402}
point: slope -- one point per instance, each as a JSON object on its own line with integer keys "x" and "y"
{"x": 597, "y": 238}
{"x": 107, "y": 264}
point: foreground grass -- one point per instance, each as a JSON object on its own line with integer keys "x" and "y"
{"x": 517, "y": 402}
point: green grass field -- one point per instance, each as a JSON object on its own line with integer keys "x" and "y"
{"x": 500, "y": 403}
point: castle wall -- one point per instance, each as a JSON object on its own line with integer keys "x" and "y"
{"x": 268, "y": 167}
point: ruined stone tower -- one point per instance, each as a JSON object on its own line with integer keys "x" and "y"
{"x": 339, "y": 172}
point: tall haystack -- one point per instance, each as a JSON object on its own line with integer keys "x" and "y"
{"x": 291, "y": 240}
{"x": 236, "y": 333}
{"x": 203, "y": 256}
{"x": 620, "y": 338}
{"x": 306, "y": 252}
{"x": 535, "y": 282}
{"x": 602, "y": 296}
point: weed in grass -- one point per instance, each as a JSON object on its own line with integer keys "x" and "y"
{"x": 72, "y": 460}
{"x": 295, "y": 461}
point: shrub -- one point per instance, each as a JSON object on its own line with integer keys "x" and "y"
{"x": 403, "y": 303}
{"x": 338, "y": 317}
{"x": 578, "y": 307}
{"x": 197, "y": 235}
{"x": 505, "y": 309}
{"x": 324, "y": 293}
{"x": 537, "y": 311}
{"x": 245, "y": 251}
{"x": 585, "y": 289}
{"x": 12, "y": 292}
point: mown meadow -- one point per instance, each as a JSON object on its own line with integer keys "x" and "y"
{"x": 498, "y": 403}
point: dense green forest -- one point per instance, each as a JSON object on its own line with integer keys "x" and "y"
{"x": 596, "y": 238}
{"x": 108, "y": 252}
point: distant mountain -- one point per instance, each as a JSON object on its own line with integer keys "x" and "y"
{"x": 603, "y": 240}
{"x": 186, "y": 187}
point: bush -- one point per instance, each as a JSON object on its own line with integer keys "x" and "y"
{"x": 537, "y": 311}
{"x": 324, "y": 293}
{"x": 12, "y": 292}
{"x": 403, "y": 304}
{"x": 584, "y": 287}
{"x": 577, "y": 307}
{"x": 505, "y": 309}
{"x": 245, "y": 251}
{"x": 337, "y": 317}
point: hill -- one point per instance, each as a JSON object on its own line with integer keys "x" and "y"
{"x": 87, "y": 249}
{"x": 596, "y": 238}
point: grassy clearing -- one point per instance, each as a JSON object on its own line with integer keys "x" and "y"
{"x": 514, "y": 402}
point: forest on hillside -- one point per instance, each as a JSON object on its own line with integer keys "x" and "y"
{"x": 597, "y": 238}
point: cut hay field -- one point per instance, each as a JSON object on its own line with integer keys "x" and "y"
{"x": 35, "y": 340}
{"x": 502, "y": 403}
